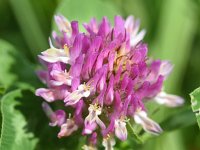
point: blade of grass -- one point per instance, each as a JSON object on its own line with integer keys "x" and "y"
{"x": 174, "y": 39}
{"x": 29, "y": 25}
{"x": 173, "y": 42}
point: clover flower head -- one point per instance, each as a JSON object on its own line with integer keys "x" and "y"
{"x": 105, "y": 76}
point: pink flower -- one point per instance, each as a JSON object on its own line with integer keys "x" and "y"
{"x": 82, "y": 91}
{"x": 92, "y": 119}
{"x": 57, "y": 118}
{"x": 67, "y": 128}
{"x": 104, "y": 75}
{"x": 54, "y": 55}
{"x": 148, "y": 125}
{"x": 120, "y": 129}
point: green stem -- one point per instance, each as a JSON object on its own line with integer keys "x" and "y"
{"x": 134, "y": 134}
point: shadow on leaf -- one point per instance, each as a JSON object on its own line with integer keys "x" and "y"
{"x": 37, "y": 123}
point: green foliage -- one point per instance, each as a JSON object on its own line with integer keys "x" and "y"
{"x": 2, "y": 90}
{"x": 13, "y": 134}
{"x": 175, "y": 35}
{"x": 15, "y": 69}
{"x": 195, "y": 100}
{"x": 29, "y": 25}
{"x": 83, "y": 11}
{"x": 25, "y": 126}
{"x": 178, "y": 120}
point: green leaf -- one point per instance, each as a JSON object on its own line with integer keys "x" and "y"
{"x": 13, "y": 134}
{"x": 2, "y": 90}
{"x": 16, "y": 70}
{"x": 172, "y": 140}
{"x": 23, "y": 104}
{"x": 195, "y": 100}
{"x": 84, "y": 10}
{"x": 178, "y": 120}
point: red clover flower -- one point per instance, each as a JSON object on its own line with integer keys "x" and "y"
{"x": 105, "y": 76}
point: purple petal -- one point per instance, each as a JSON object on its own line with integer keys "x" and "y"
{"x": 148, "y": 125}
{"x": 117, "y": 102}
{"x": 165, "y": 68}
{"x": 89, "y": 128}
{"x": 93, "y": 138}
{"x": 75, "y": 30}
{"x": 129, "y": 24}
{"x": 110, "y": 127}
{"x": 150, "y": 90}
{"x": 88, "y": 64}
{"x": 169, "y": 99}
{"x": 50, "y": 95}
{"x": 75, "y": 69}
{"x": 75, "y": 83}
{"x": 110, "y": 91}
{"x": 91, "y": 27}
{"x": 124, "y": 82}
{"x": 76, "y": 49}
{"x": 62, "y": 23}
{"x": 129, "y": 88}
{"x": 102, "y": 80}
{"x": 118, "y": 74}
{"x": 99, "y": 61}
{"x": 119, "y": 26}
{"x": 126, "y": 104}
{"x": 120, "y": 130}
{"x": 111, "y": 59}
{"x": 57, "y": 118}
{"x": 78, "y": 112}
{"x": 154, "y": 71}
{"x": 60, "y": 116}
{"x": 104, "y": 27}
{"x": 140, "y": 53}
{"x": 68, "y": 128}
{"x": 42, "y": 75}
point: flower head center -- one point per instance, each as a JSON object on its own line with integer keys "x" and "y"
{"x": 95, "y": 108}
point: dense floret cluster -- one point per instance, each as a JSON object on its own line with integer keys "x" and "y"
{"x": 105, "y": 77}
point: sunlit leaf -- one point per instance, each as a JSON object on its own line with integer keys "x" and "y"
{"x": 195, "y": 100}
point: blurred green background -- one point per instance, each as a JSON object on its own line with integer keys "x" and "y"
{"x": 173, "y": 33}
